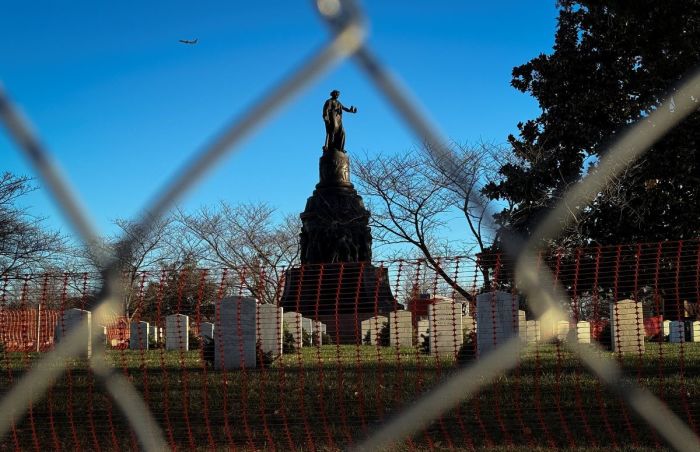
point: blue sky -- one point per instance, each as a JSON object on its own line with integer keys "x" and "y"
{"x": 122, "y": 105}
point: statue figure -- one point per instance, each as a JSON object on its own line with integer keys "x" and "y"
{"x": 333, "y": 118}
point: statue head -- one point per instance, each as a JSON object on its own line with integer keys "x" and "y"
{"x": 335, "y": 93}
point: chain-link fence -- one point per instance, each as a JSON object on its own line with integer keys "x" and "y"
{"x": 143, "y": 416}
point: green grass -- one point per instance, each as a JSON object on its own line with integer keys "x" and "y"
{"x": 331, "y": 396}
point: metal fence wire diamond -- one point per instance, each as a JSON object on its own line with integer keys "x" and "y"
{"x": 347, "y": 24}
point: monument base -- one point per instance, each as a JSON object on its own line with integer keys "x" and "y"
{"x": 341, "y": 295}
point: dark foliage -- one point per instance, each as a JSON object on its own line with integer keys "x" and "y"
{"x": 613, "y": 63}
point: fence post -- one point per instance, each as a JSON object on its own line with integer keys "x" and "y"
{"x": 38, "y": 326}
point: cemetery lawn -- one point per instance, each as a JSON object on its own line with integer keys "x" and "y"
{"x": 331, "y": 395}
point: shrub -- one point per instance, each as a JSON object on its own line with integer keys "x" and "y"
{"x": 208, "y": 349}
{"x": 305, "y": 338}
{"x": 264, "y": 359}
{"x": 326, "y": 339}
{"x": 467, "y": 352}
{"x": 425, "y": 342}
{"x": 195, "y": 340}
{"x": 288, "y": 342}
{"x": 383, "y": 336}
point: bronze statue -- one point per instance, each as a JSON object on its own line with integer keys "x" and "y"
{"x": 333, "y": 118}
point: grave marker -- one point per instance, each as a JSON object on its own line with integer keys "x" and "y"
{"x": 695, "y": 331}
{"x": 562, "y": 330}
{"x": 138, "y": 335}
{"x": 292, "y": 322}
{"x": 206, "y": 329}
{"x": 71, "y": 320}
{"x": 270, "y": 333}
{"x": 177, "y": 332}
{"x": 496, "y": 319}
{"x": 677, "y": 332}
{"x": 445, "y": 323}
{"x": 533, "y": 332}
{"x": 627, "y": 327}
{"x": 235, "y": 327}
{"x": 583, "y": 332}
{"x": 371, "y": 329}
{"x": 400, "y": 329}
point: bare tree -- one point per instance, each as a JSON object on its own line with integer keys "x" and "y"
{"x": 25, "y": 244}
{"x": 149, "y": 251}
{"x": 413, "y": 197}
{"x": 248, "y": 239}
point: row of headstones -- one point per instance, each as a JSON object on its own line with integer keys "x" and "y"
{"x": 495, "y": 324}
{"x": 270, "y": 323}
{"x": 675, "y": 330}
{"x": 237, "y": 316}
{"x": 177, "y": 328}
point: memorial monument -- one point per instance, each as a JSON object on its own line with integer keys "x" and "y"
{"x": 336, "y": 282}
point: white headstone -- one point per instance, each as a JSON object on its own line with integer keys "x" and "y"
{"x": 177, "y": 332}
{"x": 695, "y": 331}
{"x": 400, "y": 329}
{"x": 138, "y": 335}
{"x": 666, "y": 327}
{"x": 371, "y": 329}
{"x": 206, "y": 329}
{"x": 496, "y": 319}
{"x": 293, "y": 324}
{"x": 71, "y": 320}
{"x": 533, "y": 332}
{"x": 562, "y": 330}
{"x": 522, "y": 326}
{"x": 627, "y": 327}
{"x": 307, "y": 325}
{"x": 235, "y": 331}
{"x": 677, "y": 333}
{"x": 445, "y": 323}
{"x": 583, "y": 332}
{"x": 270, "y": 333}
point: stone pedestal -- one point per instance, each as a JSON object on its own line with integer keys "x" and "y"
{"x": 336, "y": 283}
{"x": 340, "y": 295}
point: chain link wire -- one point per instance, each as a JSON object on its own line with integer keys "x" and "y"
{"x": 347, "y": 24}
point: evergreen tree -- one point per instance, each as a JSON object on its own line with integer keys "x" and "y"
{"x": 612, "y": 64}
